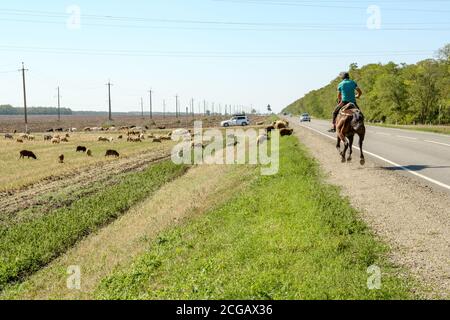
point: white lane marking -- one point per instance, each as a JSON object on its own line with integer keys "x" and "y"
{"x": 441, "y": 184}
{"x": 409, "y": 138}
{"x": 435, "y": 142}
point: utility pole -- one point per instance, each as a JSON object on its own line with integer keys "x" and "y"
{"x": 164, "y": 109}
{"x": 151, "y": 104}
{"x": 109, "y": 100}
{"x": 204, "y": 108}
{"x": 59, "y": 105}
{"x": 192, "y": 108}
{"x": 176, "y": 105}
{"x": 24, "y": 96}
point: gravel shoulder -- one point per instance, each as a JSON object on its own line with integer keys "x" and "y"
{"x": 406, "y": 214}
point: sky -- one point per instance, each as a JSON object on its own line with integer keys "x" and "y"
{"x": 228, "y": 52}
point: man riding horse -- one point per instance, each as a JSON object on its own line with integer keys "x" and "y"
{"x": 348, "y": 119}
{"x": 348, "y": 93}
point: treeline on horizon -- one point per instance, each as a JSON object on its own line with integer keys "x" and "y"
{"x": 8, "y": 110}
{"x": 393, "y": 93}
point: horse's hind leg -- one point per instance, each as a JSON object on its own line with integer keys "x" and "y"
{"x": 361, "y": 142}
{"x": 350, "y": 142}
{"x": 338, "y": 144}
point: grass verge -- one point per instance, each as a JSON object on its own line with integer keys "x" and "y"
{"x": 289, "y": 236}
{"x": 433, "y": 129}
{"x": 26, "y": 247}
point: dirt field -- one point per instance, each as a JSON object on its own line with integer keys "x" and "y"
{"x": 43, "y": 123}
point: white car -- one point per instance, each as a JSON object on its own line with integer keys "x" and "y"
{"x": 241, "y": 121}
{"x": 305, "y": 117}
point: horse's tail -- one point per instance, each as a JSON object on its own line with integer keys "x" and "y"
{"x": 357, "y": 120}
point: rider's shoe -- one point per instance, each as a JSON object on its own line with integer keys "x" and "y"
{"x": 332, "y": 130}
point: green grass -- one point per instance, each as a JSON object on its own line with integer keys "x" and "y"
{"x": 289, "y": 236}
{"x": 26, "y": 247}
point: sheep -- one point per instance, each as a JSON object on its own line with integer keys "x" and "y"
{"x": 112, "y": 153}
{"x": 120, "y": 137}
{"x": 286, "y": 132}
{"x": 19, "y": 141}
{"x": 156, "y": 140}
{"x": 48, "y": 137}
{"x": 59, "y": 130}
{"x": 87, "y": 129}
{"x": 61, "y": 158}
{"x": 142, "y": 137}
{"x": 28, "y": 154}
{"x": 89, "y": 152}
{"x": 102, "y": 139}
{"x": 9, "y": 136}
{"x": 64, "y": 140}
{"x": 281, "y": 124}
{"x": 56, "y": 141}
{"x": 81, "y": 149}
{"x": 263, "y": 138}
{"x": 50, "y": 130}
{"x": 23, "y": 136}
{"x": 31, "y": 138}
{"x": 67, "y": 135}
{"x": 133, "y": 139}
{"x": 270, "y": 129}
{"x": 162, "y": 127}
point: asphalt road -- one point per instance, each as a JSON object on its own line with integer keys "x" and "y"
{"x": 426, "y": 156}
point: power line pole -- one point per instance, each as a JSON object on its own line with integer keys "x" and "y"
{"x": 192, "y": 108}
{"x": 151, "y": 104}
{"x": 59, "y": 105}
{"x": 204, "y": 108}
{"x": 176, "y": 106}
{"x": 164, "y": 109}
{"x": 109, "y": 100}
{"x": 24, "y": 96}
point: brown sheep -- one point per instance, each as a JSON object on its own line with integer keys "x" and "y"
{"x": 56, "y": 141}
{"x": 19, "y": 141}
{"x": 157, "y": 140}
{"x": 286, "y": 132}
{"x": 89, "y": 152}
{"x": 112, "y": 153}
{"x": 9, "y": 136}
{"x": 61, "y": 158}
{"x": 28, "y": 154}
{"x": 281, "y": 125}
{"x": 64, "y": 140}
{"x": 48, "y": 137}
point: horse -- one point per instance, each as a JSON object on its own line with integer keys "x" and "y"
{"x": 349, "y": 122}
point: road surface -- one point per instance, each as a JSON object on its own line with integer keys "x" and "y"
{"x": 426, "y": 156}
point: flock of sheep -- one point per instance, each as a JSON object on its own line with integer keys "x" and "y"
{"x": 64, "y": 138}
{"x": 134, "y": 134}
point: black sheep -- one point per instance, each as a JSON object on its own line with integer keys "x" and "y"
{"x": 28, "y": 154}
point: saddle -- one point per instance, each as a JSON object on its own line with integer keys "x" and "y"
{"x": 349, "y": 109}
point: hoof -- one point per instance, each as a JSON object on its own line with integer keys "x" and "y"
{"x": 362, "y": 162}
{"x": 349, "y": 159}
{"x": 343, "y": 160}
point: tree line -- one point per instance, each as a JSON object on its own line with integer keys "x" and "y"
{"x": 8, "y": 110}
{"x": 393, "y": 93}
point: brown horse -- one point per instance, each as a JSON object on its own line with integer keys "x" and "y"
{"x": 349, "y": 122}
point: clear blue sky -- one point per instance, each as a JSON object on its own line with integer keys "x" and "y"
{"x": 225, "y": 51}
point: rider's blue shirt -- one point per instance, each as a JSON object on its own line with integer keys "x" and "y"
{"x": 347, "y": 89}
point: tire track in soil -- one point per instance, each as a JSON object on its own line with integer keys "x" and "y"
{"x": 81, "y": 179}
